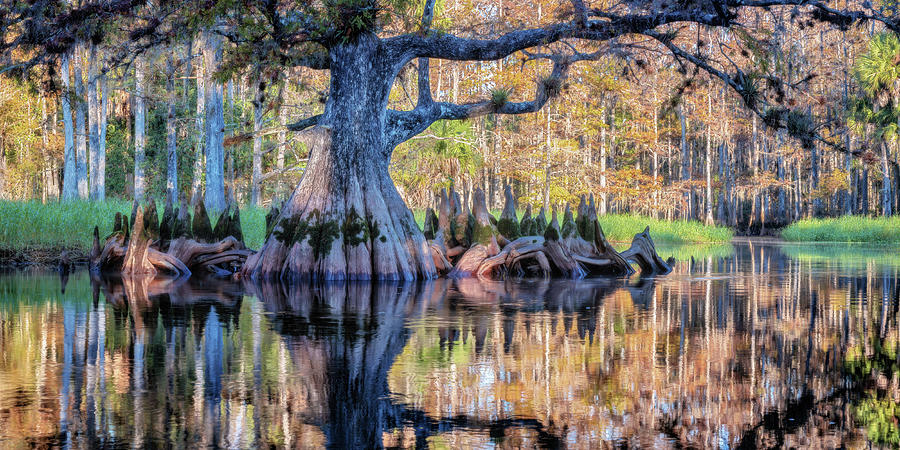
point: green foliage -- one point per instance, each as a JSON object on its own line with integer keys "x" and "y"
{"x": 878, "y": 230}
{"x": 878, "y": 70}
{"x": 500, "y": 96}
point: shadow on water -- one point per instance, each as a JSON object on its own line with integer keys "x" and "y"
{"x": 760, "y": 345}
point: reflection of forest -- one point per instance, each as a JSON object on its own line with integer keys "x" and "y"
{"x": 753, "y": 348}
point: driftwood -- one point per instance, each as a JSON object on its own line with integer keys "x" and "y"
{"x": 495, "y": 249}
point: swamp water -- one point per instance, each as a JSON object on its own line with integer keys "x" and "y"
{"x": 751, "y": 344}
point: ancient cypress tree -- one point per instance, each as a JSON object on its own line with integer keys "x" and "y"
{"x": 346, "y": 219}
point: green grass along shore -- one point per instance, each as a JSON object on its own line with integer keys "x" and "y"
{"x": 33, "y": 225}
{"x": 873, "y": 230}
{"x": 61, "y": 226}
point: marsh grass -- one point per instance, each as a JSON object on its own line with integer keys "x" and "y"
{"x": 69, "y": 225}
{"x": 623, "y": 227}
{"x": 875, "y": 230}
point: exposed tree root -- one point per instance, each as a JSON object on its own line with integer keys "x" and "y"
{"x": 372, "y": 235}
{"x": 575, "y": 249}
{"x": 143, "y": 252}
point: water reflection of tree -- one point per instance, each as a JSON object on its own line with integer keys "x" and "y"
{"x": 754, "y": 349}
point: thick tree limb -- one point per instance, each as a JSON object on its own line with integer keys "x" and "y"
{"x": 301, "y": 125}
{"x": 404, "y": 125}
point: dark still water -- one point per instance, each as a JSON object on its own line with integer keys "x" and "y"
{"x": 748, "y": 345}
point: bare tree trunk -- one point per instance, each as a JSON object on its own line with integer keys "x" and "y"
{"x": 101, "y": 154}
{"x": 70, "y": 175}
{"x": 93, "y": 106}
{"x": 709, "y": 193}
{"x": 81, "y": 168}
{"x": 139, "y": 125}
{"x": 603, "y": 196}
{"x": 547, "y": 165}
{"x": 171, "y": 141}
{"x": 282, "y": 144}
{"x": 200, "y": 123}
{"x": 215, "y": 125}
{"x": 229, "y": 151}
{"x": 256, "y": 176}
{"x": 886, "y": 196}
{"x": 685, "y": 161}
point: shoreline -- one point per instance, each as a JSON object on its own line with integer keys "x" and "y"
{"x": 42, "y": 257}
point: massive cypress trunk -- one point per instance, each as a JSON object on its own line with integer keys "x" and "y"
{"x": 346, "y": 220}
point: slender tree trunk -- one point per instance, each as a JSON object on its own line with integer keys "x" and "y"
{"x": 709, "y": 192}
{"x": 547, "y": 165}
{"x": 200, "y": 143}
{"x": 139, "y": 128}
{"x": 229, "y": 151}
{"x": 256, "y": 176}
{"x": 282, "y": 144}
{"x": 101, "y": 153}
{"x": 816, "y": 204}
{"x": 93, "y": 106}
{"x": 171, "y": 136}
{"x": 886, "y": 195}
{"x": 81, "y": 162}
{"x": 70, "y": 174}
{"x": 215, "y": 125}
{"x": 685, "y": 161}
{"x": 603, "y": 196}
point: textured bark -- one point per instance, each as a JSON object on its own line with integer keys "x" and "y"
{"x": 81, "y": 163}
{"x": 256, "y": 172}
{"x": 93, "y": 107}
{"x": 171, "y": 150}
{"x": 70, "y": 175}
{"x": 346, "y": 220}
{"x": 200, "y": 142}
{"x": 139, "y": 129}
{"x": 215, "y": 124}
{"x": 102, "y": 120}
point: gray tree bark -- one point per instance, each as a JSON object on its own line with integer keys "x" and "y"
{"x": 70, "y": 175}
{"x": 101, "y": 154}
{"x": 171, "y": 136}
{"x": 200, "y": 123}
{"x": 96, "y": 176}
{"x": 215, "y": 125}
{"x": 139, "y": 129}
{"x": 256, "y": 176}
{"x": 81, "y": 163}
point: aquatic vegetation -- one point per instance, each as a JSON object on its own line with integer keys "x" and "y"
{"x": 879, "y": 230}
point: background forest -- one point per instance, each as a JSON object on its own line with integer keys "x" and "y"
{"x": 638, "y": 129}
